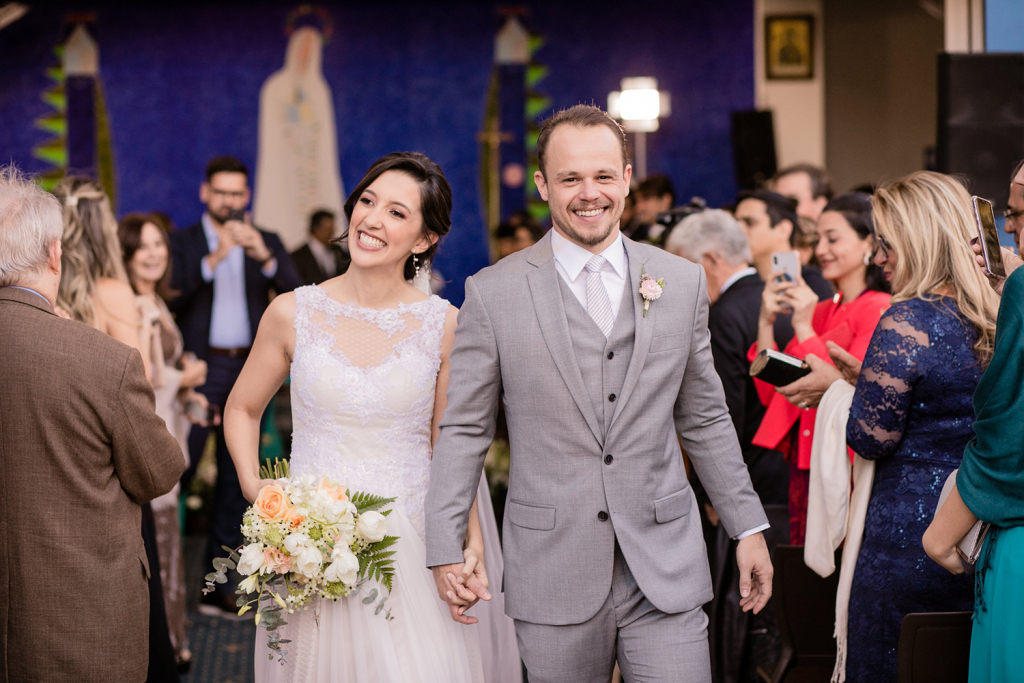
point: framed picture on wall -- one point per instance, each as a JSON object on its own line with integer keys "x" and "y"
{"x": 789, "y": 46}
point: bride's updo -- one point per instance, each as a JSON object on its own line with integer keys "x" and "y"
{"x": 435, "y": 196}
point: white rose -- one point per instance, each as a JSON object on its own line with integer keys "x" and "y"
{"x": 339, "y": 512}
{"x": 296, "y": 543}
{"x": 308, "y": 562}
{"x": 251, "y": 559}
{"x": 345, "y": 567}
{"x": 372, "y": 526}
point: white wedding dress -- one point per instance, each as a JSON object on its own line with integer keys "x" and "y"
{"x": 362, "y": 394}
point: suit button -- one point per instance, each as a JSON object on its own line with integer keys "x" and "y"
{"x": 608, "y": 459}
{"x": 611, "y": 354}
{"x": 611, "y": 397}
{"x": 603, "y": 516}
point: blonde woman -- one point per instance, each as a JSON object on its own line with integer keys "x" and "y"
{"x": 94, "y": 288}
{"x": 912, "y": 409}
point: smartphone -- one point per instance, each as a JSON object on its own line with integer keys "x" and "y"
{"x": 787, "y": 262}
{"x": 196, "y": 412}
{"x": 985, "y": 217}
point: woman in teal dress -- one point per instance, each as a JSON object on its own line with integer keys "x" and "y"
{"x": 990, "y": 486}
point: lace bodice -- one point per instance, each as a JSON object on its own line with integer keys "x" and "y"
{"x": 362, "y": 394}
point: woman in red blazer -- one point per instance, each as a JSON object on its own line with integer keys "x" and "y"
{"x": 845, "y": 248}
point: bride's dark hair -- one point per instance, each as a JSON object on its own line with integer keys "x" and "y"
{"x": 435, "y": 196}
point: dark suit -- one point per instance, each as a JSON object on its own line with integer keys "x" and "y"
{"x": 194, "y": 304}
{"x": 732, "y": 322}
{"x": 81, "y": 448}
{"x": 193, "y": 308}
{"x": 309, "y": 268}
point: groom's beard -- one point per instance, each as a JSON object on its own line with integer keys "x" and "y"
{"x": 590, "y": 240}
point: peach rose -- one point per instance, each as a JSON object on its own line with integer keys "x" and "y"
{"x": 295, "y": 521}
{"x": 272, "y": 504}
{"x": 276, "y": 561}
{"x": 335, "y": 491}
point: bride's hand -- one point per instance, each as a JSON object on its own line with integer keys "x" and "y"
{"x": 472, "y": 580}
{"x": 252, "y": 491}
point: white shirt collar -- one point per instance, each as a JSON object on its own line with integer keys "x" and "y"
{"x": 750, "y": 270}
{"x": 573, "y": 258}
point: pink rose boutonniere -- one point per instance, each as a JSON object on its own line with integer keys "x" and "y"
{"x": 650, "y": 289}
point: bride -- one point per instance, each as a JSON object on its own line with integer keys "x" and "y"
{"x": 368, "y": 357}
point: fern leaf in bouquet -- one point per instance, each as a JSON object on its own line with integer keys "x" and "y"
{"x": 366, "y": 502}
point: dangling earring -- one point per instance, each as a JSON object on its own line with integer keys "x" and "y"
{"x": 416, "y": 265}
{"x": 867, "y": 259}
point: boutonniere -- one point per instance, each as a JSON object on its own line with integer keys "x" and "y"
{"x": 650, "y": 289}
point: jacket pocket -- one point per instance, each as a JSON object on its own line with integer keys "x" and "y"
{"x": 531, "y": 516}
{"x": 672, "y": 506}
{"x": 667, "y": 342}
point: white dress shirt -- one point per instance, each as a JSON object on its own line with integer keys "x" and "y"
{"x": 229, "y": 320}
{"x": 324, "y": 257}
{"x": 749, "y": 270}
{"x": 571, "y": 260}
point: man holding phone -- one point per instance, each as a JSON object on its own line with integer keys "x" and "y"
{"x": 224, "y": 270}
{"x": 1014, "y": 225}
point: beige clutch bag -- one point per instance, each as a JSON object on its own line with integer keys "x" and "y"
{"x": 969, "y": 547}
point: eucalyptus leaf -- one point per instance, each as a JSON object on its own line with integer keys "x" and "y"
{"x": 367, "y": 600}
{"x": 379, "y": 608}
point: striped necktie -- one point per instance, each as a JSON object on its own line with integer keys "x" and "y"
{"x": 598, "y": 305}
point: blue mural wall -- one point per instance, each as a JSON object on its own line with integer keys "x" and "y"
{"x": 182, "y": 85}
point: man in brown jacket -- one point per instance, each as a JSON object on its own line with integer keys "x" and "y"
{"x": 80, "y": 449}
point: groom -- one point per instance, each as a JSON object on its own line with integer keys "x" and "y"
{"x": 604, "y": 556}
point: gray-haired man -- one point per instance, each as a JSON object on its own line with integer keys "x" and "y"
{"x": 717, "y": 241}
{"x": 604, "y": 554}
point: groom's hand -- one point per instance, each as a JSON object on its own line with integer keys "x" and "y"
{"x": 755, "y": 572}
{"x": 461, "y": 586}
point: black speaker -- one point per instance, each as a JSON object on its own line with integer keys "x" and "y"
{"x": 753, "y": 148}
{"x": 981, "y": 120}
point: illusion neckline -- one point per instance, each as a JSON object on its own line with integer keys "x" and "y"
{"x": 401, "y": 308}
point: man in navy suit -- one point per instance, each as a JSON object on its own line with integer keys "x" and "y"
{"x": 224, "y": 270}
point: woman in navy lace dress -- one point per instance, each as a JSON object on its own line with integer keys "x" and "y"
{"x": 912, "y": 411}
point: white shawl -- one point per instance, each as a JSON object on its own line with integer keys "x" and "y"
{"x": 832, "y": 513}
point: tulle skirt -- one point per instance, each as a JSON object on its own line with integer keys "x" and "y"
{"x": 345, "y": 642}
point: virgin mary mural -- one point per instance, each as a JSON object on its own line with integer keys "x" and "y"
{"x": 297, "y": 168}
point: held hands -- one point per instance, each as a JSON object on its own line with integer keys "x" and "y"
{"x": 461, "y": 585}
{"x": 756, "y": 572}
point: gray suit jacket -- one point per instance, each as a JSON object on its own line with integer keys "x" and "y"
{"x": 568, "y": 502}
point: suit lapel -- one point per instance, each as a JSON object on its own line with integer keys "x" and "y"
{"x": 644, "y": 331}
{"x": 550, "y": 309}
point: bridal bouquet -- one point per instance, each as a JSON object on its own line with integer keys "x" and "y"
{"x": 307, "y": 538}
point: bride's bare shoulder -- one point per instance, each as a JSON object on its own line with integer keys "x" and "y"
{"x": 281, "y": 310}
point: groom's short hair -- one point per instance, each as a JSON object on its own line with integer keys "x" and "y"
{"x": 580, "y": 116}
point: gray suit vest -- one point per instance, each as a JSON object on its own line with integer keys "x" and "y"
{"x": 602, "y": 362}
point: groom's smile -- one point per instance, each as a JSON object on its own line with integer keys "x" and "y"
{"x": 585, "y": 182}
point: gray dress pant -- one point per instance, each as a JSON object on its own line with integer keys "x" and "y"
{"x": 650, "y": 645}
